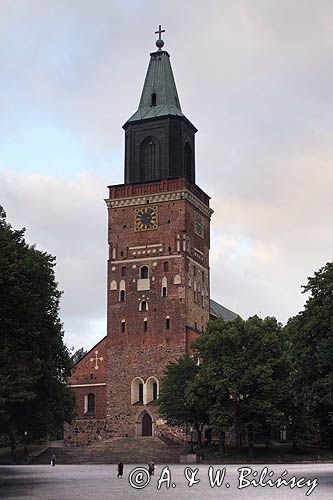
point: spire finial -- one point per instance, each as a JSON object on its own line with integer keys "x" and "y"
{"x": 159, "y": 42}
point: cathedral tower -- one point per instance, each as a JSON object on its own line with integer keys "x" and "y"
{"x": 158, "y": 267}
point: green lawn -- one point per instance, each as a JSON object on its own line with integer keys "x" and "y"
{"x": 277, "y": 453}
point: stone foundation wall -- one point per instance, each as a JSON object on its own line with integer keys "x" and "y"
{"x": 83, "y": 432}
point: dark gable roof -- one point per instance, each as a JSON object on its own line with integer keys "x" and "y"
{"x": 220, "y": 312}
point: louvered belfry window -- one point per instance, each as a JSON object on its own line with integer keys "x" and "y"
{"x": 150, "y": 159}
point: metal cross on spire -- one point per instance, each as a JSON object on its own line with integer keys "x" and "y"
{"x": 159, "y": 42}
{"x": 96, "y": 359}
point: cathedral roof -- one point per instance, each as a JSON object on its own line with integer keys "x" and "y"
{"x": 217, "y": 311}
{"x": 159, "y": 95}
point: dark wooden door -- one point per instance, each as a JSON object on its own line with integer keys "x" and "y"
{"x": 146, "y": 425}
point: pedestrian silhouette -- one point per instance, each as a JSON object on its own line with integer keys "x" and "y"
{"x": 120, "y": 469}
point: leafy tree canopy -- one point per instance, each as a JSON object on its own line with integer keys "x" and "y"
{"x": 34, "y": 362}
{"x": 311, "y": 341}
{"x": 244, "y": 370}
{"x": 77, "y": 354}
{"x": 178, "y": 403}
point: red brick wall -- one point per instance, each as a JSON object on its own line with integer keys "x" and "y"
{"x": 85, "y": 374}
{"x": 191, "y": 335}
{"x": 136, "y": 353}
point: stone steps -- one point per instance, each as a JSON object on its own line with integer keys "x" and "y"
{"x": 126, "y": 450}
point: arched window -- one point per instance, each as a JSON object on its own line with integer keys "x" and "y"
{"x": 140, "y": 393}
{"x": 122, "y": 290}
{"x": 145, "y": 325}
{"x": 166, "y": 267}
{"x": 144, "y": 272}
{"x": 167, "y": 323}
{"x": 137, "y": 391}
{"x": 150, "y": 159}
{"x": 153, "y": 99}
{"x": 143, "y": 306}
{"x": 188, "y": 161}
{"x": 123, "y": 326}
{"x": 164, "y": 286}
{"x": 152, "y": 387}
{"x": 89, "y": 403}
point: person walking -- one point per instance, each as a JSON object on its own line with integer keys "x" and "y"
{"x": 53, "y": 460}
{"x": 151, "y": 468}
{"x": 120, "y": 469}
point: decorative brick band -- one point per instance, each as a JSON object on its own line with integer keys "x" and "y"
{"x": 184, "y": 194}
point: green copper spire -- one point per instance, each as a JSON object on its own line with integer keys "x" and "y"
{"x": 159, "y": 95}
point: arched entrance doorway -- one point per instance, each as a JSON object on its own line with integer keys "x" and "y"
{"x": 147, "y": 425}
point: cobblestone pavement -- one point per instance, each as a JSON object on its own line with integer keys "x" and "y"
{"x": 85, "y": 482}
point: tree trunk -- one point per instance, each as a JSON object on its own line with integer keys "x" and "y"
{"x": 250, "y": 437}
{"x": 198, "y": 428}
{"x": 222, "y": 443}
{"x": 330, "y": 437}
{"x": 238, "y": 439}
{"x": 12, "y": 445}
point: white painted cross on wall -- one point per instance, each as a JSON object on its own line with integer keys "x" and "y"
{"x": 96, "y": 359}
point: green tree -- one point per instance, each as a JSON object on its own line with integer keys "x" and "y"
{"x": 245, "y": 371}
{"x": 77, "y": 354}
{"x": 311, "y": 336}
{"x": 34, "y": 362}
{"x": 178, "y": 402}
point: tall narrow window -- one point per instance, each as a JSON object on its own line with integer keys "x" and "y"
{"x": 91, "y": 403}
{"x": 154, "y": 391}
{"x": 153, "y": 99}
{"x": 123, "y": 326}
{"x": 167, "y": 323}
{"x": 145, "y": 325}
{"x": 122, "y": 287}
{"x": 141, "y": 393}
{"x": 144, "y": 272}
{"x": 144, "y": 306}
{"x": 164, "y": 286}
{"x": 150, "y": 167}
{"x": 166, "y": 267}
{"x": 123, "y": 271}
{"x": 188, "y": 161}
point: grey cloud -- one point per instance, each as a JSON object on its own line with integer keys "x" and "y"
{"x": 254, "y": 77}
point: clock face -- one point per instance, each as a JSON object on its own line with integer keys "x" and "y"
{"x": 145, "y": 218}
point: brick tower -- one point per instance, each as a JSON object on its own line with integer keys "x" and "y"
{"x": 158, "y": 267}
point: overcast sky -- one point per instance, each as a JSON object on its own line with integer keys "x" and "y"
{"x": 254, "y": 76}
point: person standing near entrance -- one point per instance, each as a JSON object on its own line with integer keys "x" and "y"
{"x": 120, "y": 470}
{"x": 53, "y": 460}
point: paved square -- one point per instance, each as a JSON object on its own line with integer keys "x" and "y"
{"x": 83, "y": 482}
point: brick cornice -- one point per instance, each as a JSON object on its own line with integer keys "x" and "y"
{"x": 165, "y": 196}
